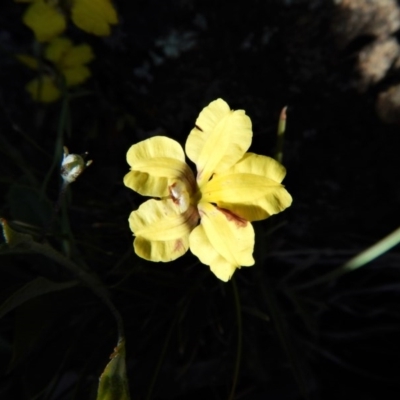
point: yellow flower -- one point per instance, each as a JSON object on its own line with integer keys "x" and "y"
{"x": 48, "y": 18}
{"x": 209, "y": 213}
{"x": 68, "y": 60}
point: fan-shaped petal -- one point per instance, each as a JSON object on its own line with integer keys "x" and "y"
{"x": 162, "y": 232}
{"x": 76, "y": 75}
{"x": 77, "y": 56}
{"x": 220, "y": 138}
{"x": 201, "y": 247}
{"x": 251, "y": 188}
{"x": 45, "y": 20}
{"x": 57, "y": 48}
{"x": 155, "y": 164}
{"x": 94, "y": 16}
{"x": 256, "y": 164}
{"x": 231, "y": 236}
{"x": 43, "y": 89}
{"x": 249, "y": 196}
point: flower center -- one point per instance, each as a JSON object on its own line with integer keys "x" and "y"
{"x": 180, "y": 195}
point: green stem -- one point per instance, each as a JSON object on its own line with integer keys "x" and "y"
{"x": 358, "y": 261}
{"x": 24, "y": 241}
{"x": 62, "y": 124}
{"x": 161, "y": 358}
{"x": 239, "y": 338}
{"x": 282, "y": 330}
{"x": 92, "y": 281}
{"x": 56, "y": 209}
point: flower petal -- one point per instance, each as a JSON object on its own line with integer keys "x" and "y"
{"x": 43, "y": 89}
{"x": 57, "y": 49}
{"x": 155, "y": 164}
{"x": 203, "y": 249}
{"x": 76, "y": 75}
{"x": 94, "y": 16}
{"x": 45, "y": 20}
{"x": 250, "y": 189}
{"x": 230, "y": 236}
{"x": 219, "y": 140}
{"x": 162, "y": 232}
{"x": 256, "y": 164}
{"x": 69, "y": 59}
{"x": 78, "y": 55}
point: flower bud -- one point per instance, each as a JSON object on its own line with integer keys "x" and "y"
{"x": 72, "y": 166}
{"x": 113, "y": 383}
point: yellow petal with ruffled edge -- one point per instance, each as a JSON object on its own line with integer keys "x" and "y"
{"x": 220, "y": 138}
{"x": 43, "y": 89}
{"x": 76, "y": 75}
{"x": 231, "y": 237}
{"x": 250, "y": 189}
{"x": 155, "y": 164}
{"x": 46, "y": 21}
{"x": 256, "y": 164}
{"x": 203, "y": 249}
{"x": 94, "y": 16}
{"x": 162, "y": 232}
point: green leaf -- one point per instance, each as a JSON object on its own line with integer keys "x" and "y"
{"x": 361, "y": 259}
{"x": 113, "y": 381}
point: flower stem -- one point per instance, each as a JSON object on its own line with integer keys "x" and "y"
{"x": 239, "y": 338}
{"x": 283, "y": 331}
{"x": 25, "y": 242}
{"x": 161, "y": 358}
{"x": 56, "y": 209}
{"x": 61, "y": 128}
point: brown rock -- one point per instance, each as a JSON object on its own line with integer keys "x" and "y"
{"x": 388, "y": 105}
{"x": 354, "y": 18}
{"x": 375, "y": 60}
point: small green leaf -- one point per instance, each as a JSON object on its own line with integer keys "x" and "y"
{"x": 12, "y": 237}
{"x": 113, "y": 381}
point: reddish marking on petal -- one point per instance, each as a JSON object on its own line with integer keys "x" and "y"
{"x": 179, "y": 246}
{"x": 230, "y": 216}
{"x": 193, "y": 216}
{"x": 173, "y": 198}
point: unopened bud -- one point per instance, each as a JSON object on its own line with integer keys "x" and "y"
{"x": 113, "y": 383}
{"x": 72, "y": 166}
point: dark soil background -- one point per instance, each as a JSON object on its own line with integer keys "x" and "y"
{"x": 164, "y": 62}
